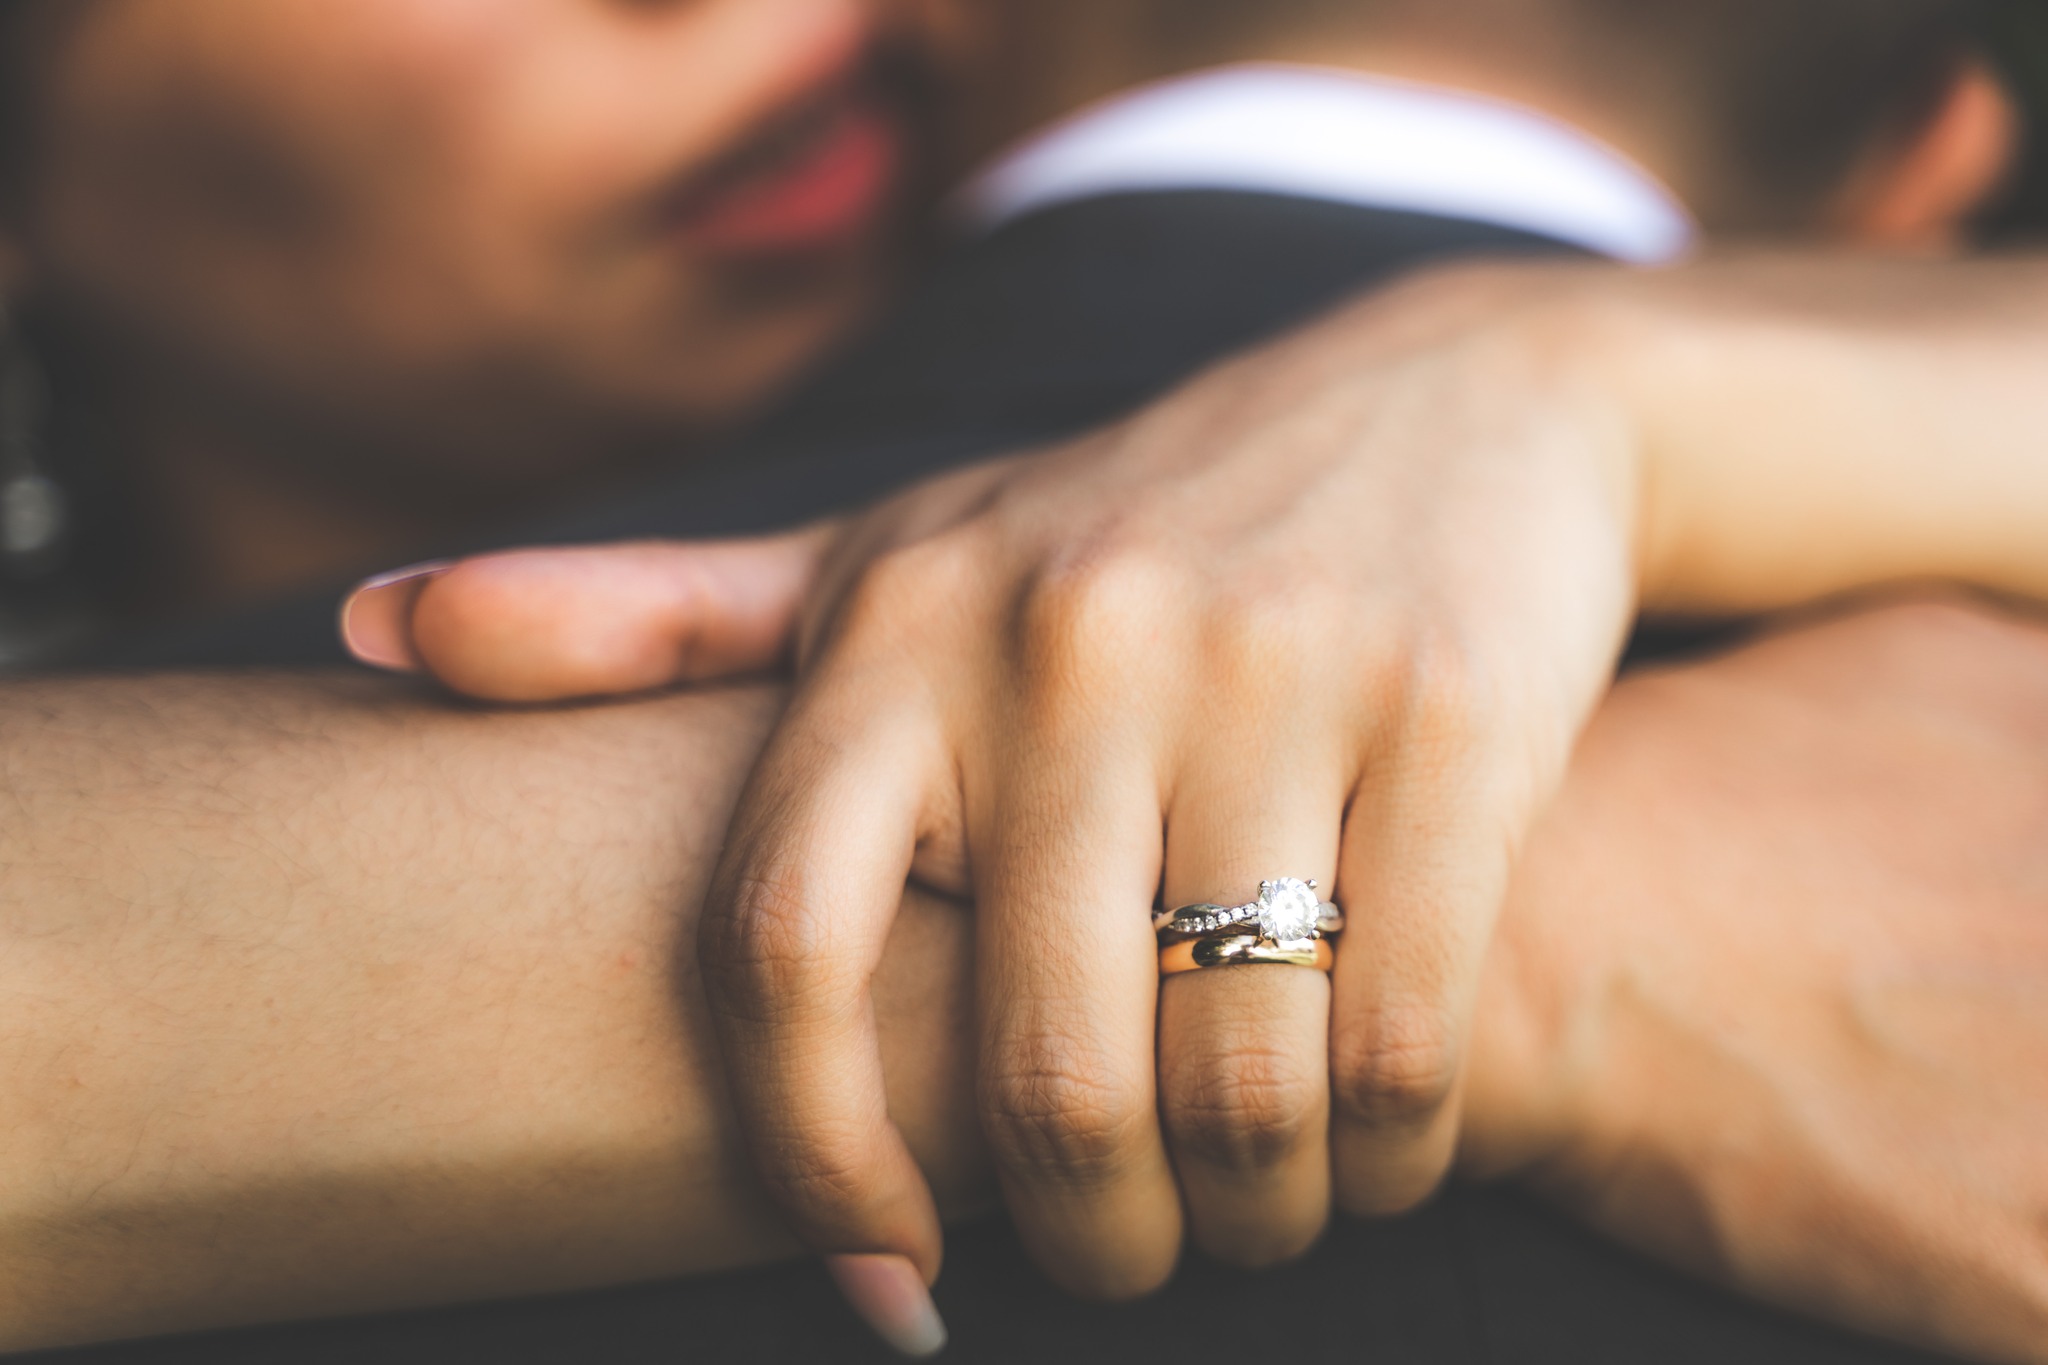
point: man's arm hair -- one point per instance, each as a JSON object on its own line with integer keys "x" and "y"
{"x": 323, "y": 997}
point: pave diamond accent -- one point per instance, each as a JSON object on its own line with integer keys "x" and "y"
{"x": 1288, "y": 911}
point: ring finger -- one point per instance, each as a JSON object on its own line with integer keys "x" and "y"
{"x": 1243, "y": 1049}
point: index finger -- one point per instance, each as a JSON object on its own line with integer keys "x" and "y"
{"x": 794, "y": 930}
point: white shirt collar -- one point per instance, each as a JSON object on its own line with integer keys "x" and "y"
{"x": 1350, "y": 138}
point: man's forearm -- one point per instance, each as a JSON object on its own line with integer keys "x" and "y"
{"x": 321, "y": 999}
{"x": 318, "y": 998}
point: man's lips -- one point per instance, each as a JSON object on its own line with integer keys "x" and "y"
{"x": 816, "y": 185}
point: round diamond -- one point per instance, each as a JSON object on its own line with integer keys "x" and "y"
{"x": 1288, "y": 911}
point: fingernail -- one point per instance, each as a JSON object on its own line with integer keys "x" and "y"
{"x": 376, "y": 620}
{"x": 888, "y": 1292}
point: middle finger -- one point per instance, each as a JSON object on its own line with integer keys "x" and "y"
{"x": 1067, "y": 860}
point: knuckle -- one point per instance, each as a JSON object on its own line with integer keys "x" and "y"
{"x": 820, "y": 1178}
{"x": 1435, "y": 688}
{"x": 1395, "y": 1070}
{"x": 1431, "y": 694}
{"x": 1084, "y": 616}
{"x": 902, "y": 590}
{"x": 1249, "y": 1114}
{"x": 1256, "y": 619}
{"x": 1055, "y": 1115}
{"x": 763, "y": 947}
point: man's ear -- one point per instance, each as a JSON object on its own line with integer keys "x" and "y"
{"x": 1919, "y": 194}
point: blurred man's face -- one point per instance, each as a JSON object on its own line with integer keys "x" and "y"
{"x": 497, "y": 222}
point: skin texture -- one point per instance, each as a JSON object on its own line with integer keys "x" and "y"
{"x": 254, "y": 1071}
{"x": 1829, "y": 1083}
{"x": 1294, "y": 618}
{"x": 1032, "y": 1095}
{"x": 366, "y": 1003}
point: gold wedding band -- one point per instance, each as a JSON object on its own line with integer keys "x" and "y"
{"x": 1244, "y": 950}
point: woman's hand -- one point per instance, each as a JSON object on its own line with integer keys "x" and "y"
{"x": 1336, "y": 612}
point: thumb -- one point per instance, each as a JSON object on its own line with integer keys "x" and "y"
{"x": 555, "y": 624}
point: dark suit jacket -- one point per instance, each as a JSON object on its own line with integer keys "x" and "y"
{"x": 1060, "y": 322}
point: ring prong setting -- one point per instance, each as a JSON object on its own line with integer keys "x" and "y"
{"x": 1288, "y": 911}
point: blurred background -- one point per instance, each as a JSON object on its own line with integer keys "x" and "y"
{"x": 659, "y": 362}
{"x": 2020, "y": 35}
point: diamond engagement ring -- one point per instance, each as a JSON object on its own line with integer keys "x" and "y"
{"x": 1288, "y": 924}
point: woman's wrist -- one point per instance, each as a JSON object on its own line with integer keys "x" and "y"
{"x": 1550, "y": 354}
{"x": 1581, "y": 336}
{"x": 1792, "y": 442}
